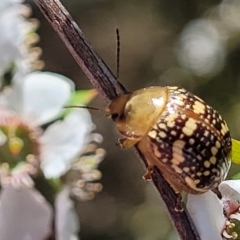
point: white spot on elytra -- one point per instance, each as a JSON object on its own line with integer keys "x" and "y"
{"x": 190, "y": 127}
{"x": 206, "y": 133}
{"x": 174, "y": 133}
{"x": 176, "y": 168}
{"x": 207, "y": 164}
{"x": 152, "y": 134}
{"x": 191, "y": 141}
{"x": 213, "y": 160}
{"x": 162, "y": 134}
{"x": 162, "y": 126}
{"x": 192, "y": 184}
{"x": 214, "y": 151}
{"x": 199, "y": 107}
{"x": 218, "y": 145}
{"x": 171, "y": 124}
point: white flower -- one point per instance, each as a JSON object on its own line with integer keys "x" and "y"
{"x": 63, "y": 141}
{"x": 66, "y": 220}
{"x": 9, "y": 3}
{"x": 13, "y": 31}
{"x": 211, "y": 215}
{"x": 24, "y": 215}
{"x": 39, "y": 98}
{"x": 34, "y": 100}
{"x": 83, "y": 174}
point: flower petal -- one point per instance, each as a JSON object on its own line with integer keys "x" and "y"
{"x": 230, "y": 189}
{"x": 206, "y": 211}
{"x": 66, "y": 221}
{"x": 63, "y": 141}
{"x": 9, "y": 3}
{"x": 13, "y": 28}
{"x": 24, "y": 214}
{"x": 42, "y": 96}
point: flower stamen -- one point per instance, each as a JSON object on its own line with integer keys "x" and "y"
{"x": 15, "y": 145}
{"x": 232, "y": 227}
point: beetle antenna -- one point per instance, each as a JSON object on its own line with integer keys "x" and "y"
{"x": 118, "y": 51}
{"x": 119, "y": 86}
{"x": 87, "y": 107}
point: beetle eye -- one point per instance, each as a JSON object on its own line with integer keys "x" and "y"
{"x": 114, "y": 116}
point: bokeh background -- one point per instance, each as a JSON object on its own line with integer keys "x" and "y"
{"x": 190, "y": 43}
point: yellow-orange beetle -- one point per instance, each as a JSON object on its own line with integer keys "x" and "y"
{"x": 186, "y": 139}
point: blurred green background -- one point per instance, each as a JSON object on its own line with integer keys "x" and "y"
{"x": 190, "y": 43}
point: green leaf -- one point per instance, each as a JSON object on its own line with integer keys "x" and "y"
{"x": 82, "y": 97}
{"x": 235, "y": 151}
{"x": 236, "y": 176}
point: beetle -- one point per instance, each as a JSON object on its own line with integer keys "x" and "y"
{"x": 177, "y": 132}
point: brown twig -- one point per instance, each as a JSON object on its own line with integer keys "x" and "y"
{"x": 105, "y": 82}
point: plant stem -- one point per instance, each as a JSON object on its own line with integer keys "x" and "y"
{"x": 105, "y": 82}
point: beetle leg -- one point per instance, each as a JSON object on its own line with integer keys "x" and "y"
{"x": 148, "y": 175}
{"x": 126, "y": 143}
{"x": 217, "y": 192}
